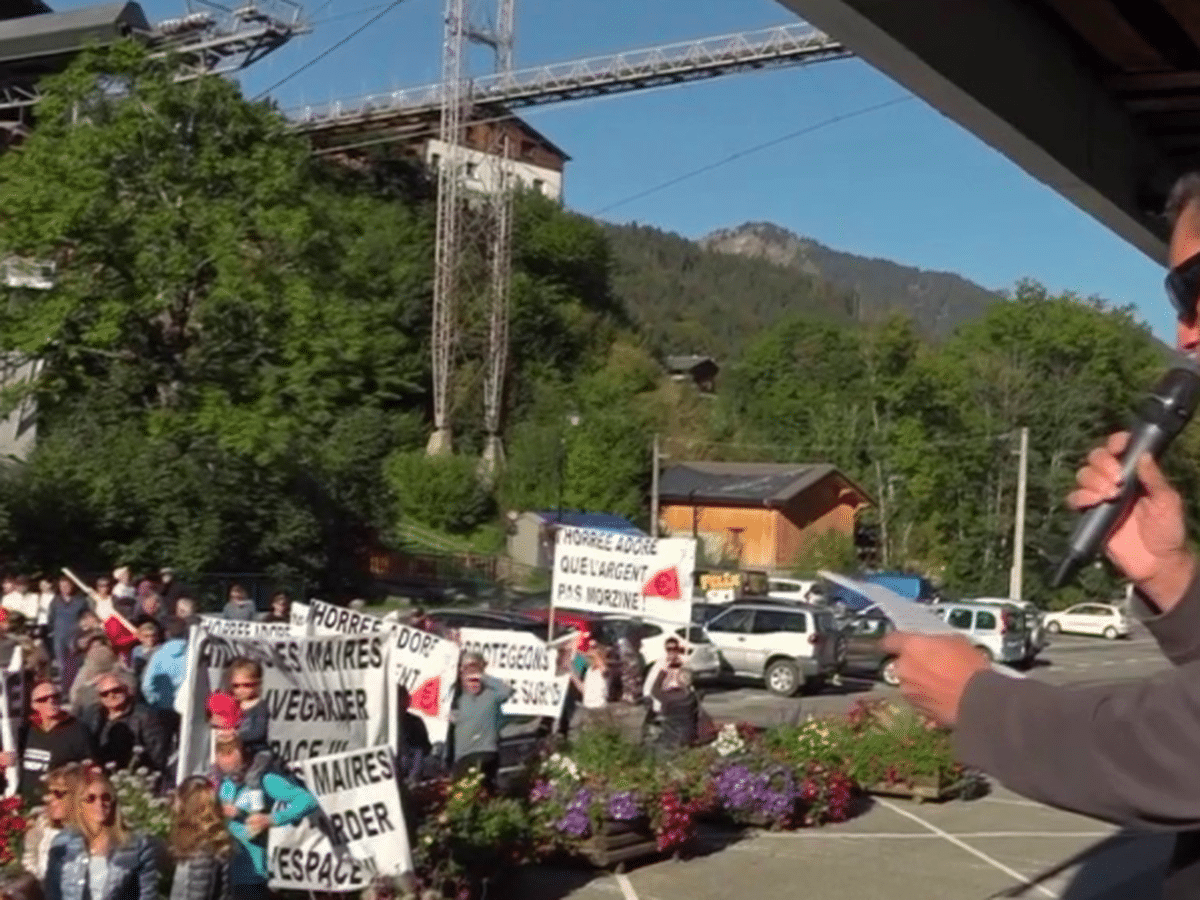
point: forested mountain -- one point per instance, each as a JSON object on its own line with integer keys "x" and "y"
{"x": 937, "y": 301}
{"x": 686, "y": 299}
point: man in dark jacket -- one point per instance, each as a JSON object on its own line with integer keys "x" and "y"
{"x": 123, "y": 725}
{"x": 1124, "y": 752}
{"x": 50, "y": 738}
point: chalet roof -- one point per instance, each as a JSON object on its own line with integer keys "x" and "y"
{"x": 687, "y": 363}
{"x": 29, "y": 38}
{"x": 604, "y": 521}
{"x": 15, "y": 9}
{"x": 768, "y": 484}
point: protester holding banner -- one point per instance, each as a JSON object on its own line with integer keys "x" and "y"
{"x": 280, "y": 609}
{"x": 97, "y": 858}
{"x": 476, "y": 720}
{"x": 240, "y": 607}
{"x": 415, "y": 746}
{"x": 248, "y": 874}
{"x": 50, "y": 738}
{"x": 200, "y": 844}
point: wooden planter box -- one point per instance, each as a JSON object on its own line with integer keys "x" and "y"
{"x": 618, "y": 842}
{"x": 920, "y": 789}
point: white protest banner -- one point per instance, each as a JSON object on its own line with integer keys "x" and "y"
{"x": 323, "y": 695}
{"x": 527, "y": 663}
{"x": 326, "y": 618}
{"x": 360, "y": 832}
{"x": 613, "y": 572}
{"x": 237, "y": 628}
{"x": 299, "y": 613}
{"x": 424, "y": 664}
{"x": 427, "y": 667}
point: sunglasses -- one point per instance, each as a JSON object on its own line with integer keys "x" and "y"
{"x": 245, "y": 684}
{"x": 112, "y": 692}
{"x": 674, "y": 649}
{"x": 47, "y": 698}
{"x": 98, "y": 798}
{"x": 1183, "y": 288}
{"x": 57, "y": 793}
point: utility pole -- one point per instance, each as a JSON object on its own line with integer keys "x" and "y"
{"x": 654, "y": 491}
{"x": 1018, "y": 564}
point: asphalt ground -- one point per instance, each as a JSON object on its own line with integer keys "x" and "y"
{"x": 997, "y": 845}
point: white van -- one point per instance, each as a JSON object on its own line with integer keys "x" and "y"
{"x": 997, "y": 630}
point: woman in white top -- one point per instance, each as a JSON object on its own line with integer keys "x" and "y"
{"x": 62, "y": 784}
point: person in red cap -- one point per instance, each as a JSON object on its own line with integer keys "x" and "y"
{"x": 225, "y": 717}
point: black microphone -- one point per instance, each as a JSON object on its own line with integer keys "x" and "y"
{"x": 1159, "y": 418}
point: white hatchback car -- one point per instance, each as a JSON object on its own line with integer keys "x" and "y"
{"x": 1101, "y": 619}
{"x": 699, "y": 653}
{"x": 999, "y": 631}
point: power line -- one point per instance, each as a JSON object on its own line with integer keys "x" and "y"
{"x": 335, "y": 17}
{"x": 324, "y": 53}
{"x": 808, "y": 129}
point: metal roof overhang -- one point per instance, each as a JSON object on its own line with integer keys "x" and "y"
{"x": 1098, "y": 99}
{"x": 41, "y": 42}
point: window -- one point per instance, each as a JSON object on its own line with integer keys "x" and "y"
{"x": 435, "y": 161}
{"x": 960, "y": 618}
{"x": 985, "y": 621}
{"x": 471, "y": 167}
{"x": 736, "y": 621}
{"x": 539, "y": 185}
{"x": 769, "y": 621}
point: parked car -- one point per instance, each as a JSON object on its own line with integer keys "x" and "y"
{"x": 999, "y": 631}
{"x": 787, "y": 645}
{"x": 698, "y": 651}
{"x": 453, "y": 619}
{"x": 1035, "y": 629}
{"x": 803, "y": 590}
{"x": 864, "y": 655}
{"x": 1101, "y": 619}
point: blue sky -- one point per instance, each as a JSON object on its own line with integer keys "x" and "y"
{"x": 902, "y": 183}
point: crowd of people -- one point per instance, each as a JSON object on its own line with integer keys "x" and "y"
{"x": 103, "y": 664}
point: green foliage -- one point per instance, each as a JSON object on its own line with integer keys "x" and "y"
{"x": 831, "y": 550}
{"x": 440, "y": 491}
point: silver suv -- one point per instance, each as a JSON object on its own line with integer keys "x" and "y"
{"x": 787, "y": 645}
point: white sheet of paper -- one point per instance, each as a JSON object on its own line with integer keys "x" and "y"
{"x": 905, "y": 614}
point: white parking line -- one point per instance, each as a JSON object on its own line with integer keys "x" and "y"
{"x": 962, "y": 845}
{"x": 626, "y": 886}
{"x": 924, "y": 836}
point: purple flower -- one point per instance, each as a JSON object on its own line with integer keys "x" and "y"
{"x": 541, "y": 791}
{"x": 575, "y": 823}
{"x": 622, "y": 807}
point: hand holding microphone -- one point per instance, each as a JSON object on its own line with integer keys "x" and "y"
{"x": 1131, "y": 509}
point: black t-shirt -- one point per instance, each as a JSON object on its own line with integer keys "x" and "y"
{"x": 41, "y": 751}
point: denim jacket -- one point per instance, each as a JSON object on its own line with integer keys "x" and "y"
{"x": 132, "y": 869}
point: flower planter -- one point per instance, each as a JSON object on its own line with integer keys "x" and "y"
{"x": 920, "y": 788}
{"x": 618, "y": 842}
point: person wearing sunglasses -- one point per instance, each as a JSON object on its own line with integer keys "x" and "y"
{"x": 49, "y": 738}
{"x": 128, "y": 733}
{"x": 97, "y": 857}
{"x": 62, "y": 785}
{"x": 1126, "y": 752}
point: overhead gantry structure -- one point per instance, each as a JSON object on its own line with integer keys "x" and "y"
{"x": 209, "y": 39}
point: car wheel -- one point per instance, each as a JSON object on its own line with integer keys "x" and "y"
{"x": 988, "y": 654}
{"x": 1110, "y": 633}
{"x": 782, "y": 678}
{"x": 1053, "y": 627}
{"x": 887, "y": 673}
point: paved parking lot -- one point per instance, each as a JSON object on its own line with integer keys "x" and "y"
{"x": 1069, "y": 660}
{"x": 998, "y": 845}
